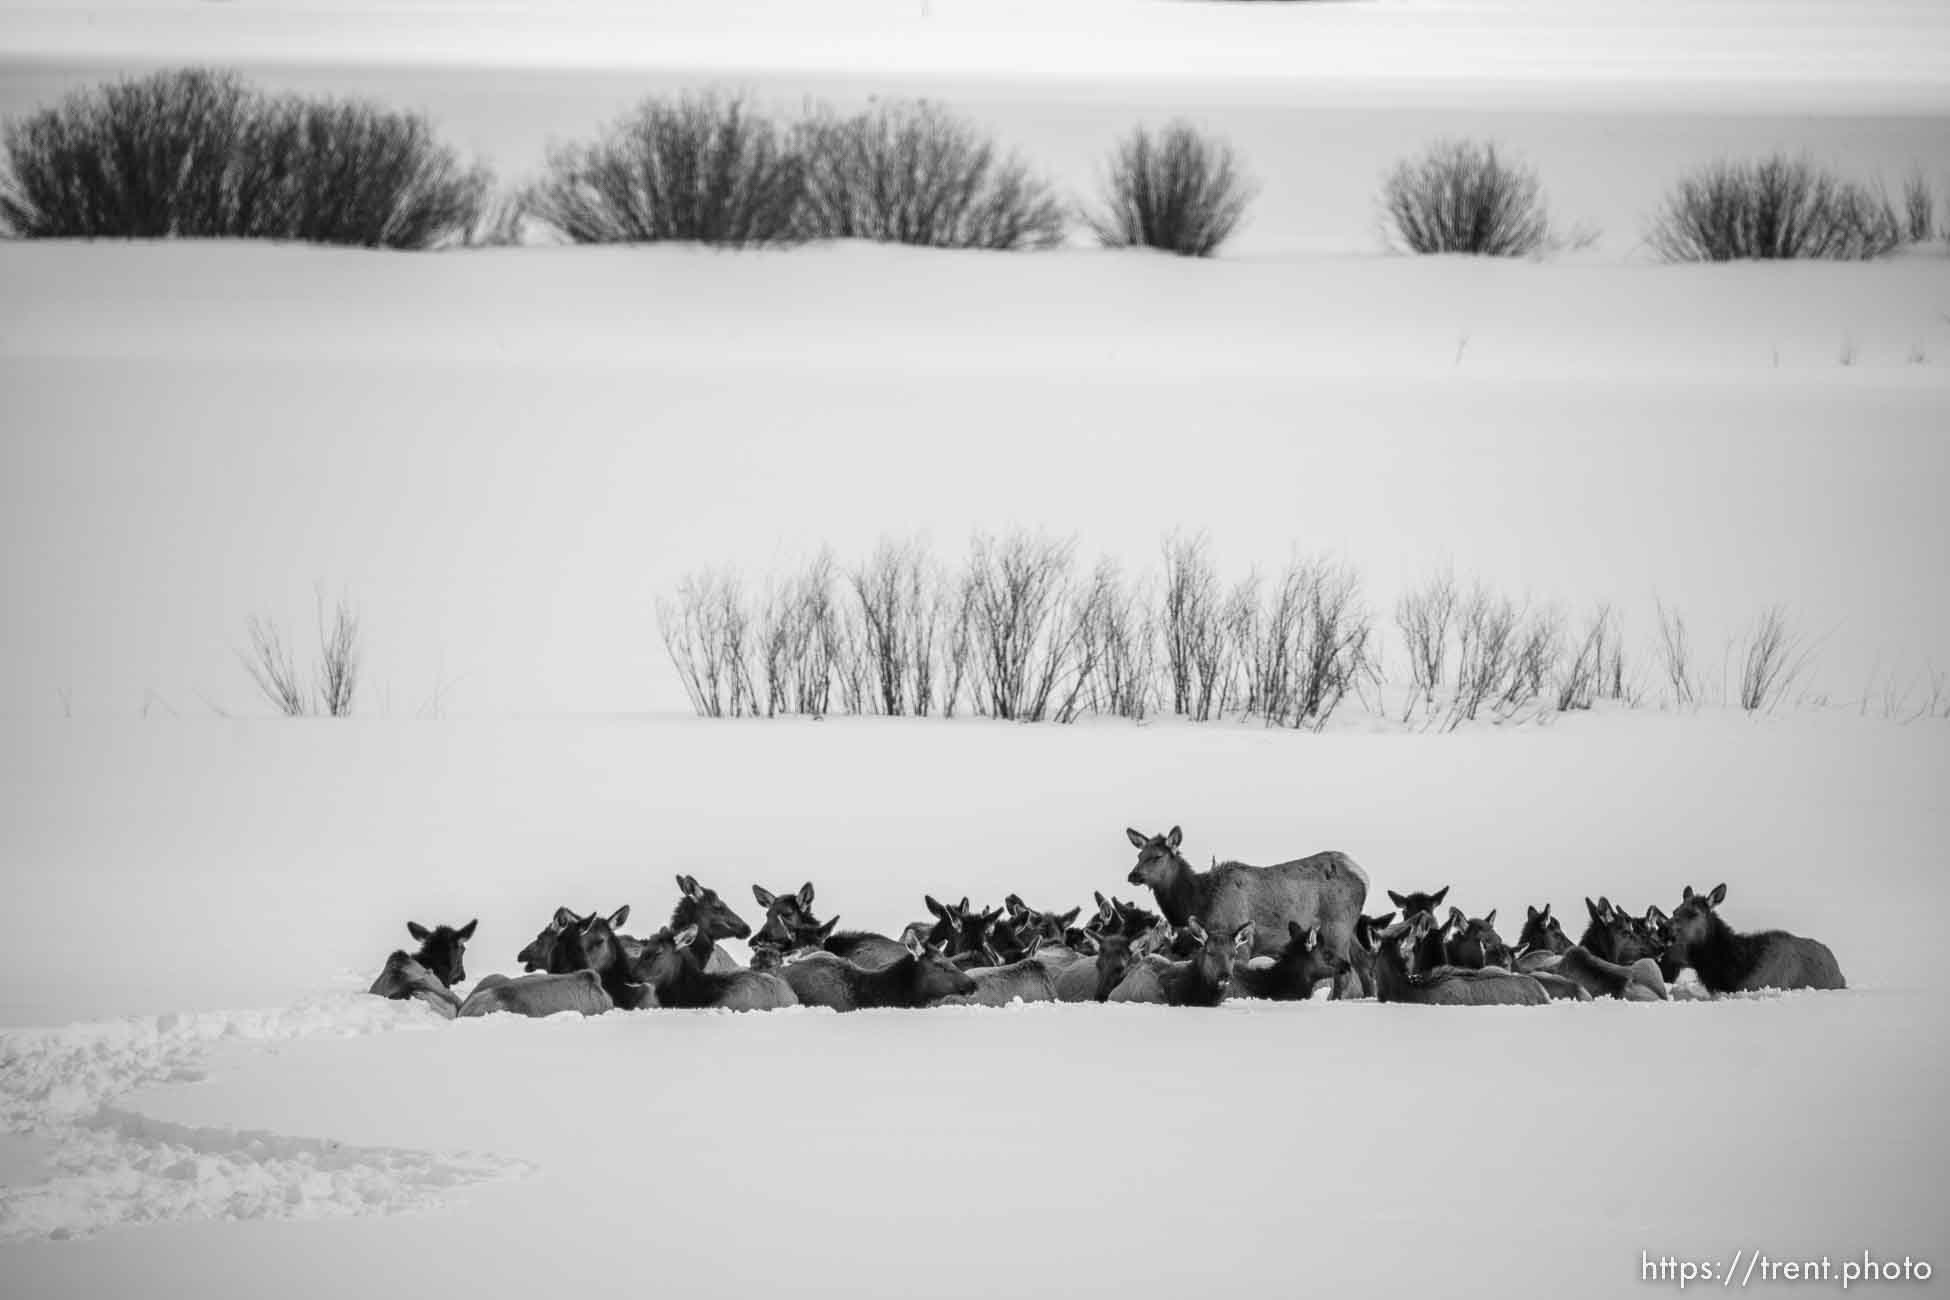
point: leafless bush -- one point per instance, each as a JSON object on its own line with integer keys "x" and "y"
{"x": 273, "y": 669}
{"x": 1424, "y": 616}
{"x": 913, "y": 173}
{"x": 704, "y": 167}
{"x": 1303, "y": 647}
{"x": 1459, "y": 197}
{"x": 1774, "y": 659}
{"x": 801, "y": 641}
{"x": 1176, "y": 190}
{"x": 1195, "y": 641}
{"x": 707, "y": 631}
{"x": 338, "y": 660}
{"x": 900, "y": 605}
{"x": 201, "y": 154}
{"x": 1676, "y": 657}
{"x": 273, "y": 666}
{"x": 1919, "y": 208}
{"x": 1775, "y": 208}
{"x": 1596, "y": 667}
{"x": 1121, "y": 643}
{"x": 1026, "y": 631}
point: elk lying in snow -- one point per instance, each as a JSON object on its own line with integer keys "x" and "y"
{"x": 1399, "y": 977}
{"x": 1203, "y": 980}
{"x": 1409, "y": 904}
{"x": 1474, "y": 944}
{"x": 1325, "y": 890}
{"x": 1360, "y": 981}
{"x": 714, "y": 920}
{"x": 998, "y": 984}
{"x": 1541, "y": 933}
{"x": 403, "y": 978}
{"x": 442, "y": 949}
{"x": 1729, "y": 962}
{"x": 1098, "y": 974}
{"x": 669, "y": 965}
{"x": 539, "y": 995}
{"x": 790, "y": 926}
{"x": 922, "y": 975}
{"x": 1614, "y": 935}
{"x": 1292, "y": 976}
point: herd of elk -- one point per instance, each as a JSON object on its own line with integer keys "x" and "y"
{"x": 1281, "y": 933}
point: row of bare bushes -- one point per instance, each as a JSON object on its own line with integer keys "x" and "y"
{"x": 1023, "y": 628}
{"x": 202, "y": 154}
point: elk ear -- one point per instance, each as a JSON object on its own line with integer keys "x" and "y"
{"x": 935, "y": 906}
{"x": 1088, "y": 945}
{"x": 1193, "y": 928}
{"x": 1531, "y": 914}
{"x": 1243, "y": 936}
{"x": 1490, "y": 920}
{"x": 619, "y": 916}
{"x": 1069, "y": 918}
{"x": 686, "y": 886}
{"x": 1313, "y": 938}
{"x": 1175, "y": 838}
{"x": 963, "y": 909}
{"x": 1398, "y": 900}
{"x": 466, "y": 932}
{"x": 564, "y": 918}
{"x": 1104, "y": 908}
{"x": 825, "y": 931}
{"x": 1136, "y": 838}
{"x": 806, "y": 894}
{"x": 1686, "y": 894}
{"x": 915, "y": 948}
{"x": 764, "y": 896}
{"x": 417, "y": 930}
{"x": 1718, "y": 895}
{"x": 685, "y": 937}
{"x": 1439, "y": 895}
{"x": 1456, "y": 917}
{"x": 1381, "y": 922}
{"x": 1592, "y": 907}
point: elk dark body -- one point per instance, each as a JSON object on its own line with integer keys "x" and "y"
{"x": 921, "y": 976}
{"x": 1727, "y": 961}
{"x": 1325, "y": 890}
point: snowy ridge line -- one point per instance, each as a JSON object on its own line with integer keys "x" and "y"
{"x": 115, "y": 1167}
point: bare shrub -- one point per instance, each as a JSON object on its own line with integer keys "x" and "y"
{"x": 899, "y": 602}
{"x": 1026, "y": 637}
{"x": 1775, "y": 208}
{"x": 200, "y": 154}
{"x": 1773, "y": 660}
{"x": 1424, "y": 616}
{"x": 704, "y": 167}
{"x": 339, "y": 660}
{"x": 1195, "y": 639}
{"x": 1676, "y": 657}
{"x": 1177, "y": 190}
{"x": 273, "y": 668}
{"x": 1120, "y": 641}
{"x": 801, "y": 641}
{"x": 1919, "y": 208}
{"x": 706, "y": 630}
{"x": 1594, "y": 666}
{"x": 1459, "y": 197}
{"x": 913, "y": 173}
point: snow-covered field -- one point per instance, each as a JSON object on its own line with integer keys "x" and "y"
{"x": 504, "y": 456}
